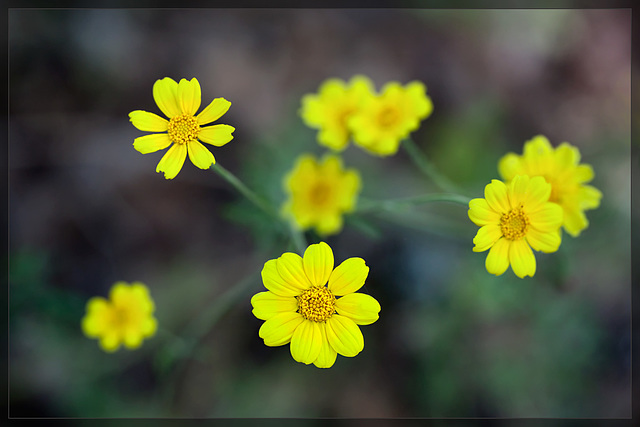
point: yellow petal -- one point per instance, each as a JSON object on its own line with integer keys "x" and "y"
{"x": 172, "y": 161}
{"x": 132, "y": 339}
{"x": 361, "y": 308}
{"x": 120, "y": 293}
{"x": 509, "y": 166}
{"x": 538, "y": 193}
{"x": 544, "y": 242}
{"x": 538, "y": 155}
{"x": 481, "y": 213}
{"x": 327, "y": 356}
{"x": 213, "y": 111}
{"x": 280, "y": 328}
{"x": 291, "y": 270}
{"x": 318, "y": 263}
{"x": 199, "y": 155}
{"x": 548, "y": 218}
{"x": 149, "y": 326}
{"x": 148, "y": 122}
{"x": 189, "y": 96}
{"x": 267, "y": 304}
{"x": 165, "y": 93}
{"x": 312, "y": 111}
{"x": 217, "y": 135}
{"x": 151, "y": 143}
{"x": 329, "y": 224}
{"x": 96, "y": 321}
{"x": 496, "y": 196}
{"x": 344, "y": 335}
{"x": 348, "y": 277}
{"x": 141, "y": 292}
{"x": 306, "y": 342}
{"x": 497, "y": 260}
{"x": 485, "y": 238}
{"x": 567, "y": 156}
{"x": 275, "y": 283}
{"x": 574, "y": 221}
{"x": 522, "y": 260}
{"x": 583, "y": 173}
{"x": 589, "y": 197}
{"x": 110, "y": 342}
{"x": 517, "y": 190}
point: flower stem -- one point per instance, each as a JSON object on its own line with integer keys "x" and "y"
{"x": 245, "y": 191}
{"x": 420, "y": 159}
{"x": 394, "y": 204}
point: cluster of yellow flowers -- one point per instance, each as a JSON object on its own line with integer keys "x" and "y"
{"x": 545, "y": 190}
{"x": 308, "y": 303}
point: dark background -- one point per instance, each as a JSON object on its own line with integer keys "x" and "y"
{"x": 86, "y": 210}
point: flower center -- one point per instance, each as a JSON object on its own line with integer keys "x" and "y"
{"x": 514, "y": 225}
{"x": 316, "y": 303}
{"x": 388, "y": 116}
{"x": 183, "y": 129}
{"x": 120, "y": 317}
{"x": 319, "y": 193}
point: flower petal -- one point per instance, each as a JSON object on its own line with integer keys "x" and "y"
{"x": 199, "y": 155}
{"x": 548, "y": 218}
{"x": 95, "y": 322}
{"x": 306, "y": 342}
{"x": 110, "y": 342}
{"x": 348, "y": 277}
{"x": 497, "y": 261}
{"x": 481, "y": 213}
{"x": 363, "y": 309}
{"x": 517, "y": 190}
{"x": 486, "y": 237}
{"x": 172, "y": 161}
{"x": 189, "y": 96}
{"x": 132, "y": 339}
{"x": 148, "y": 122}
{"x": 217, "y": 135}
{"x": 318, "y": 263}
{"x": 496, "y": 196}
{"x": 546, "y": 242}
{"x": 291, "y": 270}
{"x": 152, "y": 143}
{"x": 589, "y": 197}
{"x": 213, "y": 111}
{"x": 149, "y": 326}
{"x": 538, "y": 193}
{"x": 567, "y": 156}
{"x": 280, "y": 328}
{"x": 574, "y": 221}
{"x": 344, "y": 335}
{"x": 509, "y": 166}
{"x": 165, "y": 93}
{"x": 276, "y": 284}
{"x": 327, "y": 356}
{"x": 522, "y": 260}
{"x": 329, "y": 224}
{"x": 583, "y": 173}
{"x": 267, "y": 304}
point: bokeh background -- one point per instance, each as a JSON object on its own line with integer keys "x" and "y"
{"x": 87, "y": 210}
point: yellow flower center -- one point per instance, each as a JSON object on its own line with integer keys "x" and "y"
{"x": 388, "y": 116}
{"x": 514, "y": 225}
{"x": 316, "y": 303}
{"x": 183, "y": 129}
{"x": 120, "y": 317}
{"x": 319, "y": 193}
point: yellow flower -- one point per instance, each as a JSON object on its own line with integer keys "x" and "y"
{"x": 561, "y": 169}
{"x": 179, "y": 102}
{"x": 383, "y": 121}
{"x": 126, "y": 318}
{"x": 299, "y": 309}
{"x": 513, "y": 219}
{"x": 330, "y": 109}
{"x": 319, "y": 193}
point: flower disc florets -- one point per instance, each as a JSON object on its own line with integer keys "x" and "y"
{"x": 316, "y": 303}
{"x": 183, "y": 129}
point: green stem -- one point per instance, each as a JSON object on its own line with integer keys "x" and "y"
{"x": 420, "y": 159}
{"x": 393, "y": 204}
{"x": 245, "y": 191}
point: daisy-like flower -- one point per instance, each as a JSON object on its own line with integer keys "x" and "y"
{"x": 179, "y": 102}
{"x": 513, "y": 219}
{"x": 330, "y": 109}
{"x": 560, "y": 167}
{"x": 127, "y": 317}
{"x": 383, "y": 121}
{"x": 300, "y": 305}
{"x": 320, "y": 193}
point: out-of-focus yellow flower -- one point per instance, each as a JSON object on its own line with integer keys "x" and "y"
{"x": 560, "y": 167}
{"x": 513, "y": 219}
{"x": 383, "y": 121}
{"x": 179, "y": 102}
{"x": 320, "y": 193}
{"x": 330, "y": 109}
{"x": 127, "y": 317}
{"x": 300, "y": 305}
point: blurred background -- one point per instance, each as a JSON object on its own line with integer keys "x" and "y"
{"x": 87, "y": 210}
